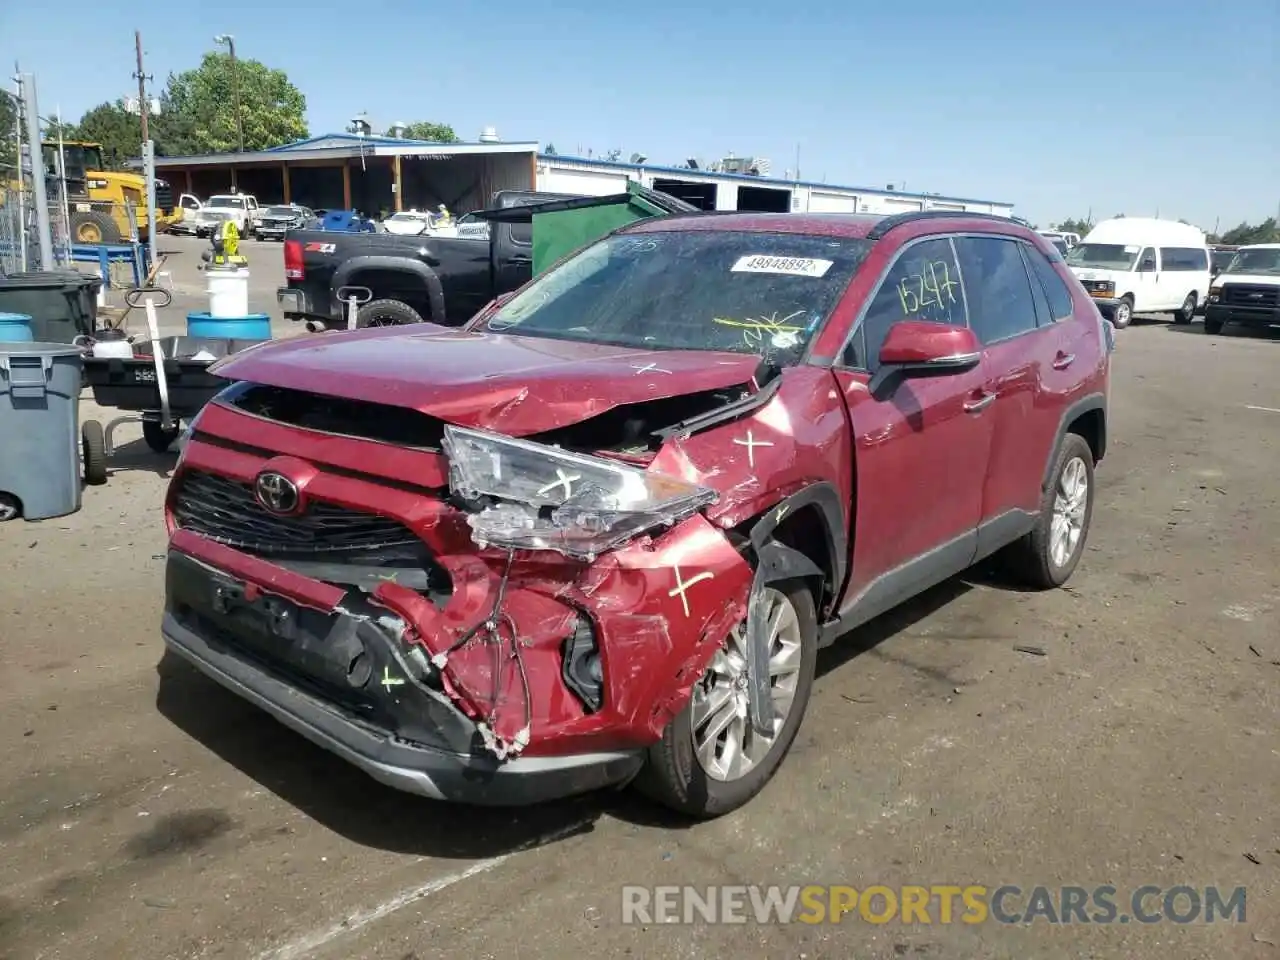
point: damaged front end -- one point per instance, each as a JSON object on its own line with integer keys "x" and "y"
{"x": 452, "y": 620}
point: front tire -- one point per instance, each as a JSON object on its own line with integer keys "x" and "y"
{"x": 1047, "y": 556}
{"x": 157, "y": 437}
{"x": 1188, "y": 311}
{"x": 1122, "y": 314}
{"x": 386, "y": 313}
{"x": 710, "y": 760}
{"x": 1212, "y": 326}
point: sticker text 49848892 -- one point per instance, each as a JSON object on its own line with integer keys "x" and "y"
{"x": 791, "y": 266}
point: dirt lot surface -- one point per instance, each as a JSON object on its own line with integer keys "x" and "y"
{"x": 144, "y": 813}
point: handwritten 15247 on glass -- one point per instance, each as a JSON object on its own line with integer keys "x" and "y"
{"x": 929, "y": 294}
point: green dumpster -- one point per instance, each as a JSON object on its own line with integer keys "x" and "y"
{"x": 62, "y": 304}
{"x": 561, "y": 227}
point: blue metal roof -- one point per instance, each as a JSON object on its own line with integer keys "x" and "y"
{"x": 759, "y": 181}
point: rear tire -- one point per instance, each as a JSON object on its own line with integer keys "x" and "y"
{"x": 10, "y": 507}
{"x": 674, "y": 775}
{"x": 1038, "y": 559}
{"x": 1188, "y": 311}
{"x": 386, "y": 313}
{"x": 93, "y": 443}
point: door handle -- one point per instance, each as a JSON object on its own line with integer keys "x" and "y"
{"x": 1063, "y": 360}
{"x": 520, "y": 261}
{"x": 977, "y": 406}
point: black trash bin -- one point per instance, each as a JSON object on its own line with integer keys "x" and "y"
{"x": 62, "y": 304}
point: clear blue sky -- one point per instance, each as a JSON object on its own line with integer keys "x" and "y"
{"x": 1132, "y": 106}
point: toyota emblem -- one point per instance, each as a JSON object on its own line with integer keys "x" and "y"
{"x": 277, "y": 493}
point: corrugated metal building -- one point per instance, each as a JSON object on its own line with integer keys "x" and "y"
{"x": 738, "y": 191}
{"x": 377, "y": 174}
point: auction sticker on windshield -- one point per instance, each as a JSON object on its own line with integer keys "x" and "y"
{"x": 791, "y": 266}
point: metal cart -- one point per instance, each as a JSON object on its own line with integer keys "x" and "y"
{"x": 167, "y": 381}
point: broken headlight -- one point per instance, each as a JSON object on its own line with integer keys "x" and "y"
{"x": 528, "y": 496}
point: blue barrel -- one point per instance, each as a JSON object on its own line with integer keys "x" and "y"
{"x": 39, "y": 429}
{"x": 256, "y": 326}
{"x": 15, "y": 328}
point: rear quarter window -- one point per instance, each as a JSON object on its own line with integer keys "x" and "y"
{"x": 1055, "y": 289}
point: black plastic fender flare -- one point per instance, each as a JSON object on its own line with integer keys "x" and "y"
{"x": 1094, "y": 401}
{"x": 824, "y": 496}
{"x": 775, "y": 562}
{"x": 430, "y": 279}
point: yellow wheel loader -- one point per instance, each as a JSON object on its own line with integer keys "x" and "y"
{"x": 98, "y": 200}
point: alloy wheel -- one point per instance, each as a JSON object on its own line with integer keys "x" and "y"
{"x": 725, "y": 742}
{"x": 1070, "y": 504}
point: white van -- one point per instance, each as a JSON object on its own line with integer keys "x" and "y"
{"x": 1138, "y": 265}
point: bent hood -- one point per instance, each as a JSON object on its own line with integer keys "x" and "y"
{"x": 515, "y": 385}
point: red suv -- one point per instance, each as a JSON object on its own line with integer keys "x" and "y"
{"x": 599, "y": 534}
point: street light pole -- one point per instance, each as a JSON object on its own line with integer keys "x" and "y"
{"x": 230, "y": 42}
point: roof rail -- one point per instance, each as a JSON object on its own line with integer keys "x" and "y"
{"x": 898, "y": 219}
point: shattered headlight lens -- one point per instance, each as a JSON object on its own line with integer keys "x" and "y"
{"x": 529, "y": 496}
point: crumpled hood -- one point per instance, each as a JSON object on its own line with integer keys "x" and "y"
{"x": 514, "y": 385}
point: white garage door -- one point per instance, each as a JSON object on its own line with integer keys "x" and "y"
{"x": 823, "y": 202}
{"x": 585, "y": 183}
{"x": 895, "y": 205}
{"x": 957, "y": 207}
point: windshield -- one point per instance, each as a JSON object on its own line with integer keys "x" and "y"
{"x": 1264, "y": 260}
{"x": 1104, "y": 256}
{"x": 1060, "y": 244}
{"x": 282, "y": 212}
{"x": 764, "y": 293}
{"x": 225, "y": 202}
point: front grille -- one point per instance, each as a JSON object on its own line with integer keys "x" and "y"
{"x": 227, "y": 512}
{"x": 1251, "y": 295}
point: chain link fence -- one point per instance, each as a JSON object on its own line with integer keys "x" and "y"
{"x": 19, "y": 242}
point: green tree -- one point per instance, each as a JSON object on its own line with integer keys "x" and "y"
{"x": 435, "y": 132}
{"x": 1080, "y": 226}
{"x": 8, "y": 124}
{"x": 198, "y": 108}
{"x": 119, "y": 132}
{"x": 1264, "y": 232}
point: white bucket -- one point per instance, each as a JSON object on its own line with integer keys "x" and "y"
{"x": 228, "y": 294}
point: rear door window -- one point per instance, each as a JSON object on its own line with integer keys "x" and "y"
{"x": 1001, "y": 304}
{"x": 922, "y": 284}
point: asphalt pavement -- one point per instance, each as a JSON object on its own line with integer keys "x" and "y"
{"x": 1122, "y": 731}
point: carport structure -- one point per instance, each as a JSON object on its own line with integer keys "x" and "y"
{"x": 372, "y": 174}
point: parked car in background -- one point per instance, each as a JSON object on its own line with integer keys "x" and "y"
{"x": 598, "y": 534}
{"x": 241, "y": 208}
{"x": 278, "y": 220}
{"x": 1247, "y": 292}
{"x": 1069, "y": 240}
{"x": 1140, "y": 265}
{"x": 1220, "y": 256}
{"x": 407, "y": 223}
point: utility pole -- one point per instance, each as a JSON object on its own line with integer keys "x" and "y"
{"x": 148, "y": 154}
{"x": 230, "y": 42}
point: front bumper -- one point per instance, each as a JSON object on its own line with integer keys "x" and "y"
{"x": 1105, "y": 303}
{"x": 447, "y": 768}
{"x": 1242, "y": 316}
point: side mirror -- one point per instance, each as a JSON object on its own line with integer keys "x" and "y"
{"x": 922, "y": 348}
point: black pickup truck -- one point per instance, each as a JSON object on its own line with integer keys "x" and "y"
{"x": 447, "y": 280}
{"x": 406, "y": 279}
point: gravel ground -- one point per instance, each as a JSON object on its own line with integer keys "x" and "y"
{"x": 145, "y": 813}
